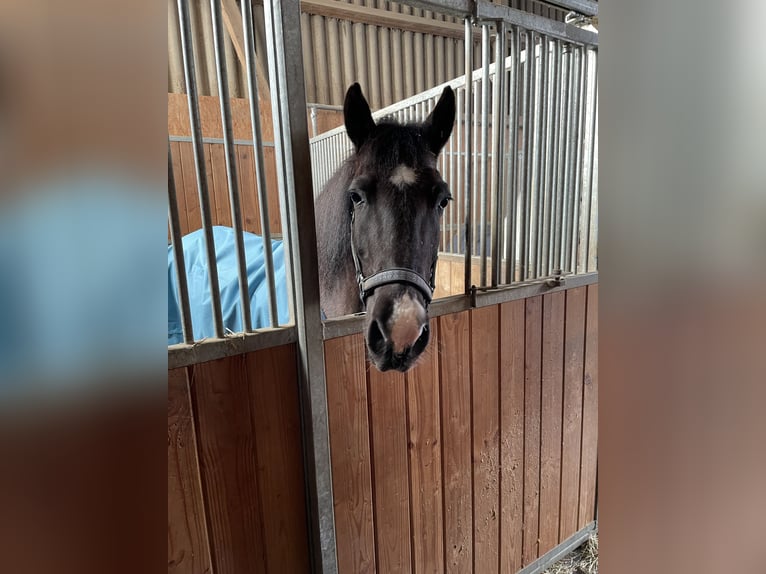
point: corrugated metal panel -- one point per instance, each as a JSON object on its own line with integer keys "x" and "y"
{"x": 390, "y": 64}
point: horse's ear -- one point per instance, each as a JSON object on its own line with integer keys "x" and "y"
{"x": 438, "y": 125}
{"x": 357, "y": 116}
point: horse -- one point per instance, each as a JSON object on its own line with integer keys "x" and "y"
{"x": 378, "y": 221}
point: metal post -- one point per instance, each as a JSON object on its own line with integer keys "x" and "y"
{"x": 543, "y": 127}
{"x": 468, "y": 173}
{"x": 534, "y": 227}
{"x": 199, "y": 164}
{"x": 498, "y": 148}
{"x": 554, "y": 163}
{"x": 231, "y": 164}
{"x": 260, "y": 172}
{"x": 568, "y": 161}
{"x": 578, "y": 160}
{"x": 512, "y": 175}
{"x": 291, "y": 140}
{"x": 484, "y": 184}
{"x": 593, "y": 215}
{"x": 561, "y": 161}
{"x": 550, "y": 131}
{"x": 457, "y": 203}
{"x": 527, "y": 160}
{"x": 178, "y": 254}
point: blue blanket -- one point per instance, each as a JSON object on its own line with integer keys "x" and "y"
{"x": 199, "y": 286}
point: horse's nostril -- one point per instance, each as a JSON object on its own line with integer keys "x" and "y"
{"x": 376, "y": 339}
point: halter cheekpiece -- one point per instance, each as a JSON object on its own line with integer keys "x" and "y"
{"x": 390, "y": 276}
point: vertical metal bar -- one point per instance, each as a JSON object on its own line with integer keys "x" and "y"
{"x": 512, "y": 185}
{"x": 178, "y": 254}
{"x": 578, "y": 160}
{"x": 582, "y": 254}
{"x": 458, "y": 181}
{"x": 538, "y": 70}
{"x": 561, "y": 165}
{"x": 543, "y": 127}
{"x": 476, "y": 172}
{"x": 568, "y": 161}
{"x": 498, "y": 147}
{"x": 547, "y": 161}
{"x": 288, "y": 99}
{"x": 556, "y": 144}
{"x": 527, "y": 159}
{"x": 593, "y": 215}
{"x": 451, "y": 207}
{"x": 484, "y": 152}
{"x": 260, "y": 171}
{"x": 231, "y": 163}
{"x": 199, "y": 164}
{"x": 468, "y": 173}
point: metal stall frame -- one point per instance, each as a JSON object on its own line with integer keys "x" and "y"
{"x": 294, "y": 172}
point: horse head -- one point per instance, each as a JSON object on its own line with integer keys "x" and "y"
{"x": 396, "y": 198}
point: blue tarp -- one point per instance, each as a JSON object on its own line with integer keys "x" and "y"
{"x": 199, "y": 284}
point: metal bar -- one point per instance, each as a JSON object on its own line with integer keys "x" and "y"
{"x": 199, "y": 164}
{"x": 178, "y": 254}
{"x": 512, "y": 186}
{"x": 452, "y": 214}
{"x": 484, "y": 152}
{"x": 458, "y": 182}
{"x": 578, "y": 159}
{"x": 486, "y": 10}
{"x": 288, "y": 97}
{"x": 561, "y": 161}
{"x": 231, "y": 164}
{"x": 487, "y": 297}
{"x": 184, "y": 355}
{"x": 468, "y": 172}
{"x": 550, "y": 77}
{"x": 593, "y": 216}
{"x": 568, "y": 160}
{"x": 552, "y": 215}
{"x": 476, "y": 213}
{"x": 260, "y": 171}
{"x": 540, "y": 128}
{"x": 524, "y": 212}
{"x": 584, "y": 7}
{"x": 498, "y": 147}
{"x": 557, "y": 553}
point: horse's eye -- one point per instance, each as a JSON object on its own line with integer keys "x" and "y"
{"x": 444, "y": 202}
{"x": 356, "y": 197}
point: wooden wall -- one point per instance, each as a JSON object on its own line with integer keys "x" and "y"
{"x": 480, "y": 459}
{"x": 235, "y": 469}
{"x": 483, "y": 457}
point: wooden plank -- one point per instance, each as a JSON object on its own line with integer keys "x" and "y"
{"x": 210, "y": 118}
{"x": 574, "y": 346}
{"x": 458, "y": 278}
{"x": 532, "y": 374}
{"x": 178, "y": 174}
{"x": 229, "y": 465}
{"x": 350, "y": 451}
{"x": 248, "y": 189}
{"x": 388, "y": 419}
{"x": 425, "y": 460}
{"x": 512, "y": 327}
{"x": 443, "y": 278}
{"x": 485, "y": 338}
{"x": 220, "y": 187}
{"x": 589, "y": 412}
{"x": 550, "y": 434}
{"x": 193, "y": 214}
{"x": 188, "y": 551}
{"x": 211, "y": 183}
{"x": 272, "y": 374}
{"x": 378, "y": 17}
{"x": 455, "y": 375}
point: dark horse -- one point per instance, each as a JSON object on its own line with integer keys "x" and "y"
{"x": 378, "y": 228}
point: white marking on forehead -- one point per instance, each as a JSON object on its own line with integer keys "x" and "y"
{"x": 403, "y": 175}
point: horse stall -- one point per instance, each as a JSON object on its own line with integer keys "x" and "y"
{"x": 288, "y": 451}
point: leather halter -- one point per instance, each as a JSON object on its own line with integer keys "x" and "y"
{"x": 390, "y": 276}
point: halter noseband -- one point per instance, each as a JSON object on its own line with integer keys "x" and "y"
{"x": 389, "y": 276}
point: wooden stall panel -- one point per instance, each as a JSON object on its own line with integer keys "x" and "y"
{"x": 388, "y": 420}
{"x": 350, "y": 451}
{"x": 273, "y": 384}
{"x": 248, "y": 420}
{"x": 486, "y": 425}
{"x": 532, "y": 379}
{"x": 454, "y": 345}
{"x": 512, "y": 328}
{"x": 188, "y": 551}
{"x": 229, "y": 465}
{"x": 425, "y": 460}
{"x": 574, "y": 342}
{"x": 589, "y": 412}
{"x": 550, "y": 435}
